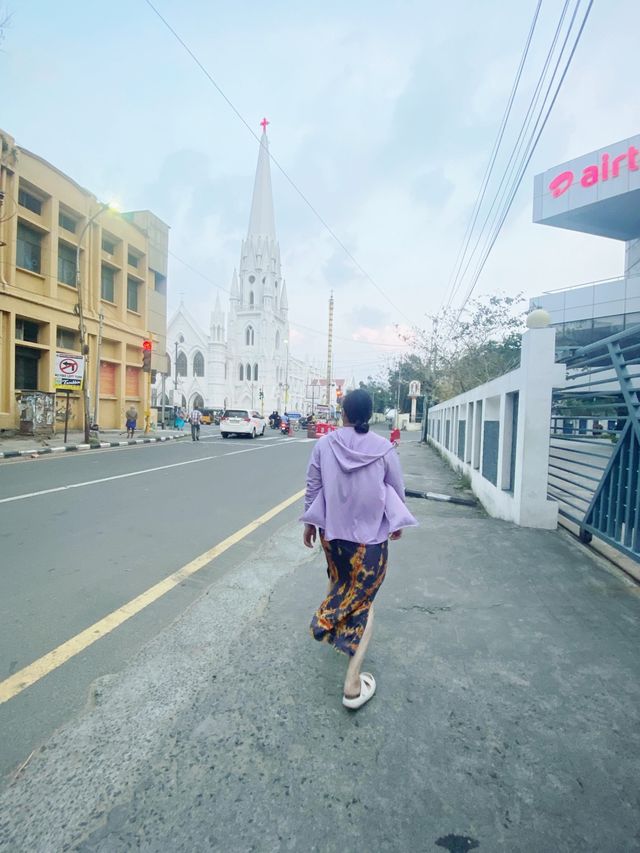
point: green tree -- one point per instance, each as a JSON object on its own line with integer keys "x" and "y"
{"x": 406, "y": 369}
{"x": 379, "y": 391}
{"x": 463, "y": 351}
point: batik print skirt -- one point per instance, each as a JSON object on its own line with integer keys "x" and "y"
{"x": 355, "y": 575}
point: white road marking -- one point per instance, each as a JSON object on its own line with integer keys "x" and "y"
{"x": 133, "y": 474}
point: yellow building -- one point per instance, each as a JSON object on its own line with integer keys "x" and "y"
{"x": 47, "y": 221}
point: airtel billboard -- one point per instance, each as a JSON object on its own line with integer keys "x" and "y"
{"x": 597, "y": 193}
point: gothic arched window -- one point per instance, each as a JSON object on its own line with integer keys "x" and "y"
{"x": 255, "y": 372}
{"x": 277, "y": 340}
{"x": 168, "y": 364}
{"x": 249, "y": 372}
{"x": 249, "y": 336}
{"x": 181, "y": 364}
{"x": 241, "y": 372}
{"x": 251, "y": 299}
{"x": 198, "y": 364}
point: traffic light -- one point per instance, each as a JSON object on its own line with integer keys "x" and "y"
{"x": 147, "y": 347}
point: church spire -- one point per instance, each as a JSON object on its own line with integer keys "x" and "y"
{"x": 262, "y": 220}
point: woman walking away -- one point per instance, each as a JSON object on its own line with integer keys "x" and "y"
{"x": 355, "y": 498}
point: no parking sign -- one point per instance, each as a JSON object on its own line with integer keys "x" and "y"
{"x": 69, "y": 372}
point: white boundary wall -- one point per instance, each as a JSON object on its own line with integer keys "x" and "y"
{"x": 498, "y": 435}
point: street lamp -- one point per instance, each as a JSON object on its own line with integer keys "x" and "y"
{"x": 84, "y": 346}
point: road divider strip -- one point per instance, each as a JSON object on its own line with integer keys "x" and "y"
{"x": 66, "y": 448}
{"x": 15, "y": 684}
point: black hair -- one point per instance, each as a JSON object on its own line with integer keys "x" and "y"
{"x": 358, "y": 408}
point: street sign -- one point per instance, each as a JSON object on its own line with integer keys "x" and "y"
{"x": 69, "y": 373}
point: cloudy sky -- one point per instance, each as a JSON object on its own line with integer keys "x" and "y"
{"x": 382, "y": 114}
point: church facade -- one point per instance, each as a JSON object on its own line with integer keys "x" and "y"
{"x": 243, "y": 359}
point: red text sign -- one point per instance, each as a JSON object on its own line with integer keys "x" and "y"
{"x": 608, "y": 167}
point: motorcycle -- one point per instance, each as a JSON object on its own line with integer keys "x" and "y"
{"x": 284, "y": 428}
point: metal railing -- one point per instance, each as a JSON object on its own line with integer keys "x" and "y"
{"x": 594, "y": 458}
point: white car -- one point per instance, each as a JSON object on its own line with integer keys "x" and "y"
{"x": 242, "y": 422}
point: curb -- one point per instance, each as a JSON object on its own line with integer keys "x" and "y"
{"x": 66, "y": 448}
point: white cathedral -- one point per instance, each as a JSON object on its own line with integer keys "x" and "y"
{"x": 244, "y": 361}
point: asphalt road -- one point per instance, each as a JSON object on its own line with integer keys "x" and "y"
{"x": 84, "y": 534}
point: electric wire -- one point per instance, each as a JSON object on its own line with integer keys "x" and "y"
{"x": 291, "y": 322}
{"x": 492, "y": 160}
{"x": 531, "y": 148}
{"x": 515, "y": 151}
{"x": 277, "y": 164}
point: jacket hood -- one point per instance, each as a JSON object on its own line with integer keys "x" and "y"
{"x": 354, "y": 450}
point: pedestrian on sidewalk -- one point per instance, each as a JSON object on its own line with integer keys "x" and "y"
{"x": 132, "y": 420}
{"x": 355, "y": 498}
{"x": 195, "y": 418}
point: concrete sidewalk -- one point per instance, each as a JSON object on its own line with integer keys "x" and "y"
{"x": 12, "y": 446}
{"x": 507, "y": 717}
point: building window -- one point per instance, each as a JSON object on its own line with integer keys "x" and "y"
{"x": 67, "y": 222}
{"x": 252, "y": 278}
{"x": 241, "y": 373}
{"x": 248, "y": 372}
{"x": 66, "y": 339}
{"x": 30, "y": 201}
{"x": 108, "y": 284}
{"x": 181, "y": 364}
{"x": 631, "y": 319}
{"x": 255, "y": 372}
{"x": 27, "y": 330}
{"x": 108, "y": 246}
{"x": 26, "y": 372}
{"x": 168, "y": 365}
{"x": 29, "y": 248}
{"x": 133, "y": 260}
{"x": 198, "y": 364}
{"x": 160, "y": 283}
{"x": 66, "y": 264}
{"x": 251, "y": 299}
{"x": 132, "y": 294}
{"x": 277, "y": 340}
{"x": 249, "y": 336}
{"x": 108, "y": 373}
{"x": 132, "y": 381}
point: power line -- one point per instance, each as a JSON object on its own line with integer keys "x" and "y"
{"x": 492, "y": 160}
{"x": 515, "y": 151}
{"x": 291, "y": 322}
{"x": 532, "y": 145}
{"x": 276, "y": 163}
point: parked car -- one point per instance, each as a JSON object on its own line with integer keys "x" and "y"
{"x": 242, "y": 422}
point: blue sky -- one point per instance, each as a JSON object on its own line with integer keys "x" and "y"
{"x": 382, "y": 113}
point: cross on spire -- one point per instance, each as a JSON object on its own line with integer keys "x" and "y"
{"x": 264, "y": 124}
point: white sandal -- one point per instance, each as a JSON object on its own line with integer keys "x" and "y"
{"x": 367, "y": 689}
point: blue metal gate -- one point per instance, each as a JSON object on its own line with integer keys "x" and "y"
{"x": 594, "y": 464}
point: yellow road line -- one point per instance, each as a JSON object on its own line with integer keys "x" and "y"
{"x": 19, "y": 681}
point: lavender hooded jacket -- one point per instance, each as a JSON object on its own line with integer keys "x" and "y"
{"x": 355, "y": 489}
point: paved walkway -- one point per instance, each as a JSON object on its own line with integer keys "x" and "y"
{"x": 507, "y": 717}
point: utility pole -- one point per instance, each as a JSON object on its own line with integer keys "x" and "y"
{"x": 84, "y": 346}
{"x": 96, "y": 401}
{"x": 398, "y": 396}
{"x": 330, "y": 352}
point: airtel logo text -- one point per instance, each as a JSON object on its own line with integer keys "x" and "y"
{"x": 607, "y": 168}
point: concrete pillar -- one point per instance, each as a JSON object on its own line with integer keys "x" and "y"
{"x": 539, "y": 375}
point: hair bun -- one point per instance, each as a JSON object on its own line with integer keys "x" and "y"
{"x": 361, "y": 427}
